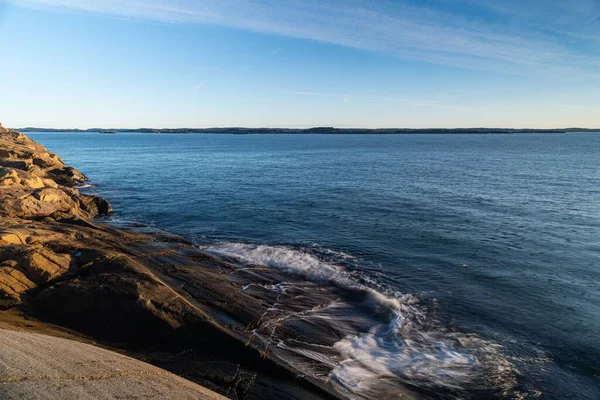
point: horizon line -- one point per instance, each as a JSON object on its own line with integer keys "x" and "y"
{"x": 307, "y": 127}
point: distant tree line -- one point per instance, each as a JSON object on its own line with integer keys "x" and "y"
{"x": 318, "y": 130}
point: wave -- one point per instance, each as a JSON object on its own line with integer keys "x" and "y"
{"x": 284, "y": 258}
{"x": 409, "y": 352}
{"x": 409, "y": 349}
{"x": 84, "y": 186}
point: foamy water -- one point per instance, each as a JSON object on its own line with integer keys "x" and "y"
{"x": 410, "y": 349}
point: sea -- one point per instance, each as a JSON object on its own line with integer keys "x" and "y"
{"x": 480, "y": 253}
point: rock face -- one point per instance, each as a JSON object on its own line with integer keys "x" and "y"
{"x": 143, "y": 291}
{"x": 35, "y": 185}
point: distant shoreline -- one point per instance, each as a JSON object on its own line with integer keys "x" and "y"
{"x": 317, "y": 130}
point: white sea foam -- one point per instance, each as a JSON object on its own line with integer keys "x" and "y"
{"x": 411, "y": 349}
{"x": 84, "y": 186}
{"x": 284, "y": 258}
{"x": 406, "y": 352}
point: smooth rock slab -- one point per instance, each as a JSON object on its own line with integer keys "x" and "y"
{"x": 34, "y": 366}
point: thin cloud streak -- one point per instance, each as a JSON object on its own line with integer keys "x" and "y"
{"x": 510, "y": 43}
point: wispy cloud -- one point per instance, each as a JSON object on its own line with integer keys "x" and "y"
{"x": 576, "y": 18}
{"x": 533, "y": 37}
{"x": 273, "y": 53}
{"x": 199, "y": 86}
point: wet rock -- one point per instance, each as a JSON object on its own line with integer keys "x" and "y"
{"x": 95, "y": 205}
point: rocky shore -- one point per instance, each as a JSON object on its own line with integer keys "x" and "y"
{"x": 143, "y": 292}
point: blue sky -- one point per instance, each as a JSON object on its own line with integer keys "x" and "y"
{"x": 370, "y": 63}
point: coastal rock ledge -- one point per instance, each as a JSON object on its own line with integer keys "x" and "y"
{"x": 35, "y": 185}
{"x": 135, "y": 289}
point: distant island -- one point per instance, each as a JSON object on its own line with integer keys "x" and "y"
{"x": 317, "y": 130}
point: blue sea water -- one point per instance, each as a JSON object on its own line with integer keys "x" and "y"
{"x": 496, "y": 236}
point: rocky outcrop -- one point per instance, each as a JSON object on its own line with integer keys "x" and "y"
{"x": 35, "y": 185}
{"x": 140, "y": 290}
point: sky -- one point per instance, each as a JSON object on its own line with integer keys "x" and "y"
{"x": 300, "y": 63}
